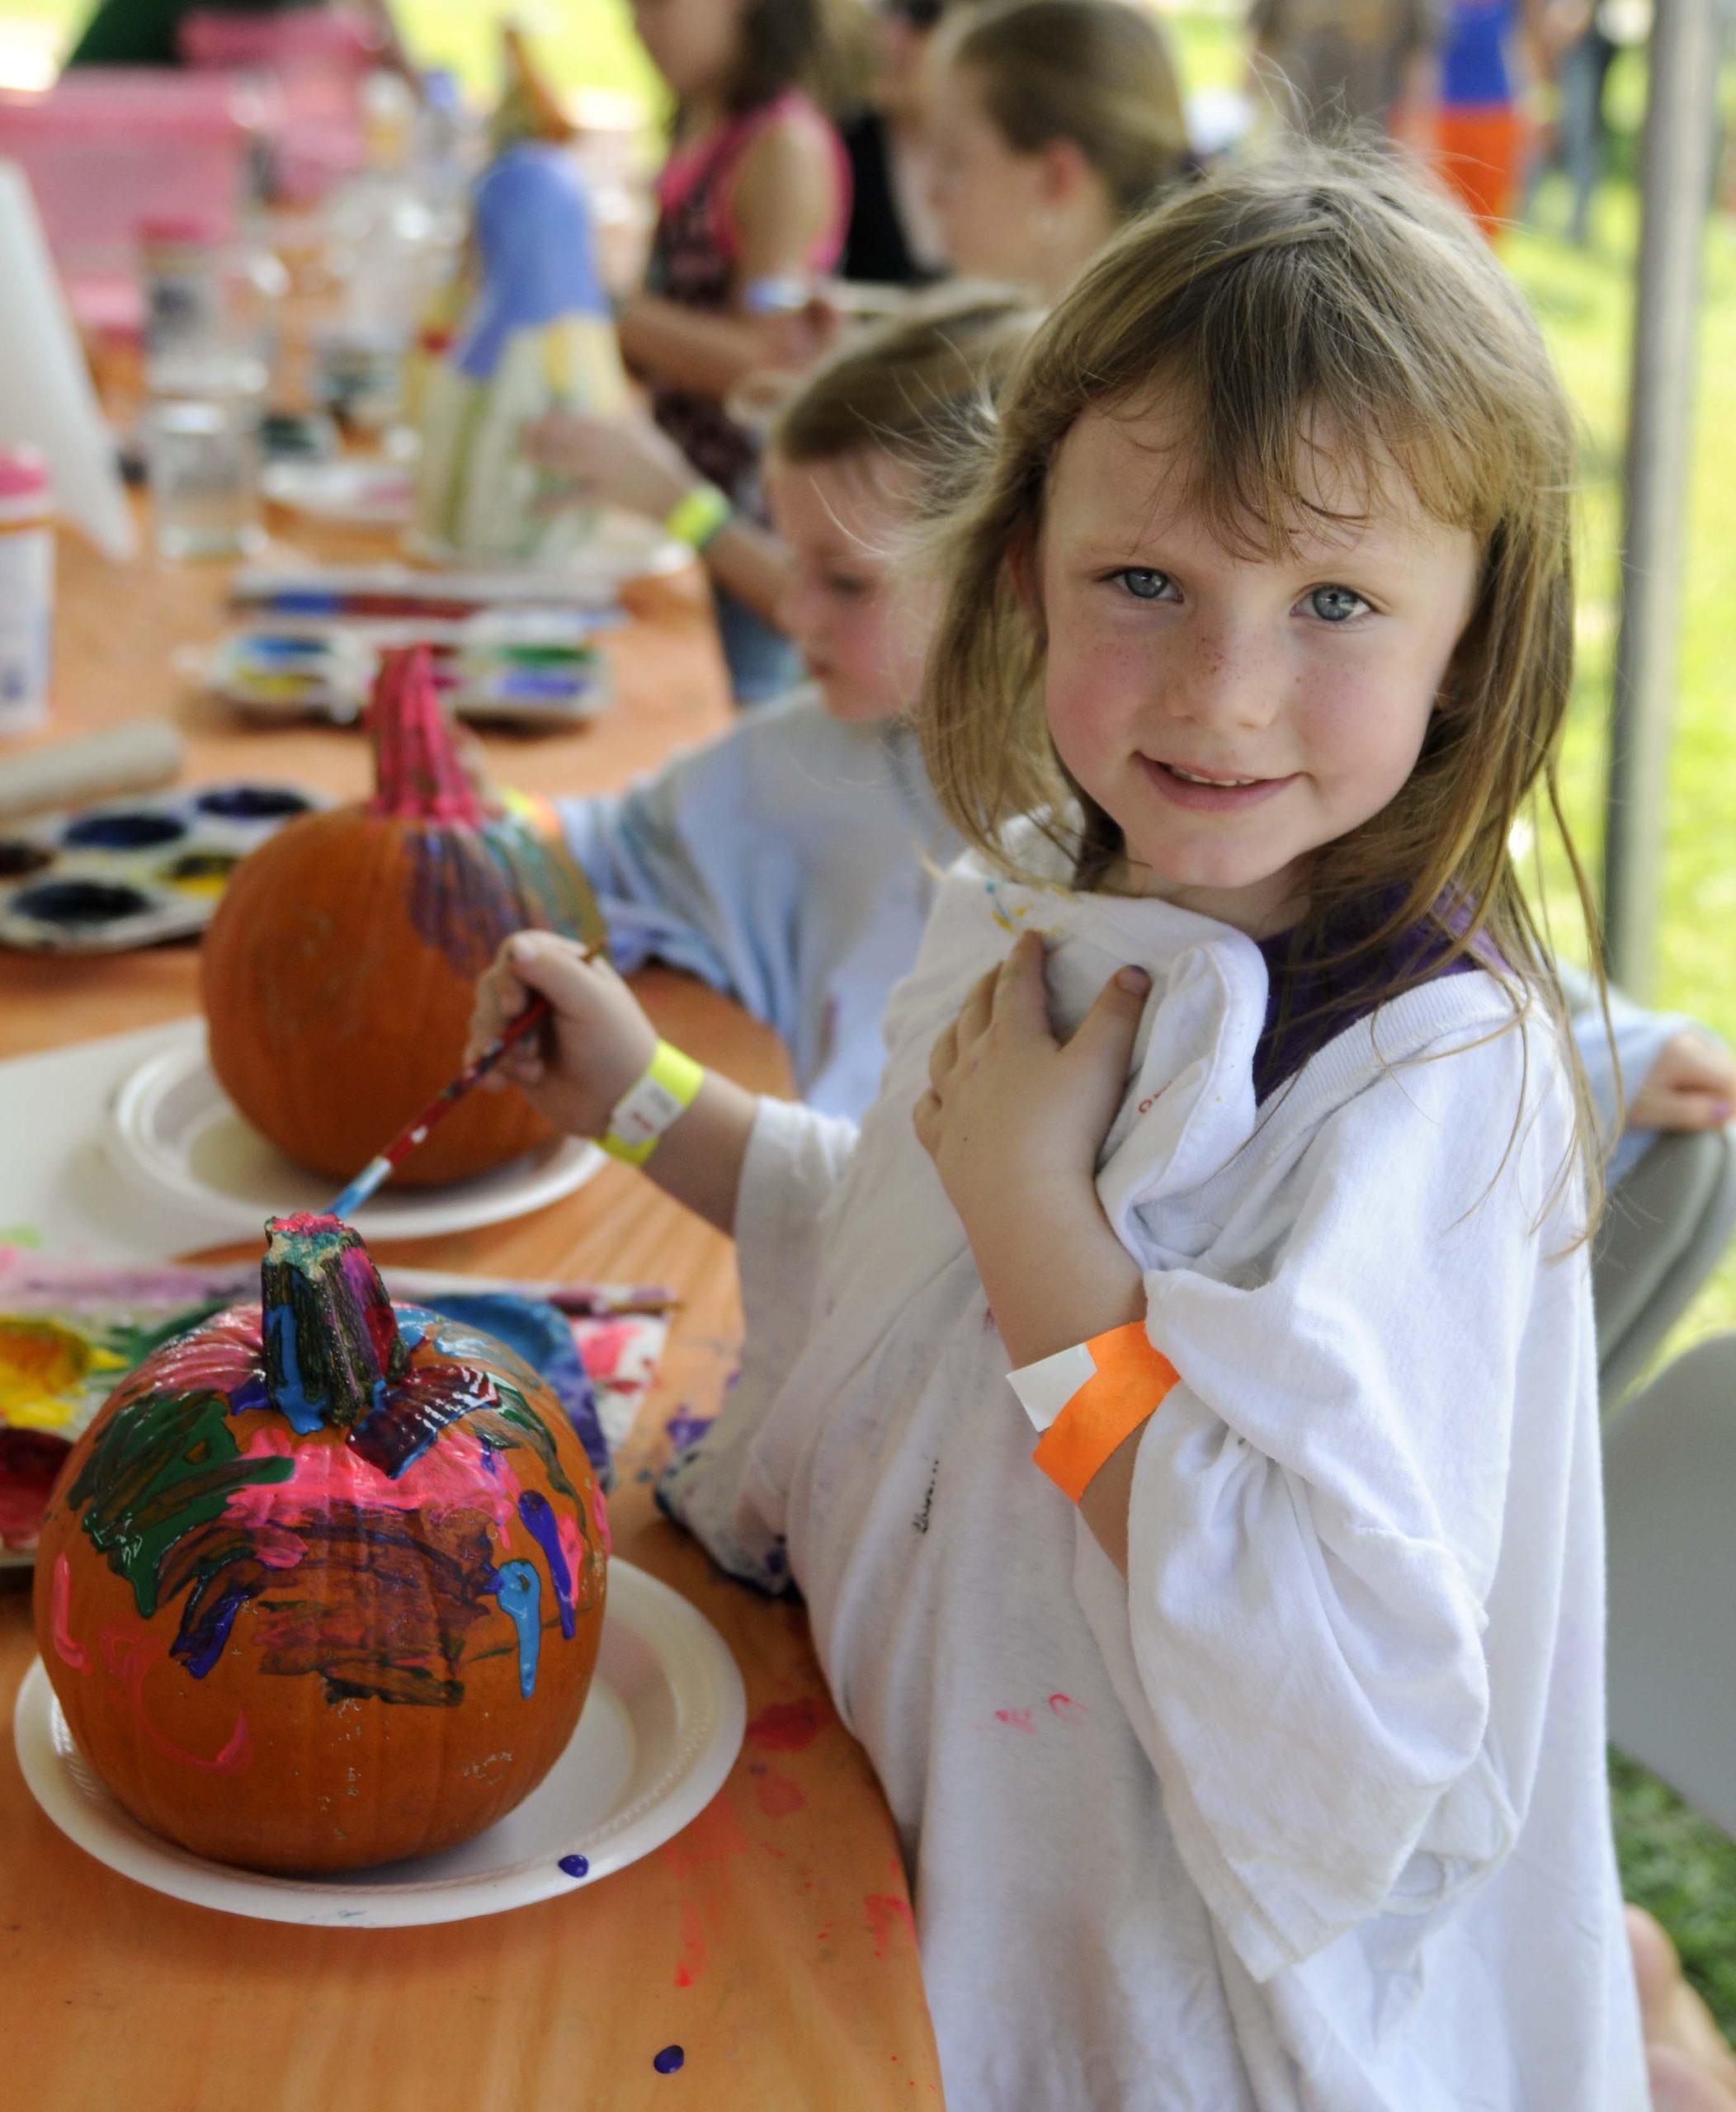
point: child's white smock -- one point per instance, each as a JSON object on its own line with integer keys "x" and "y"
{"x": 789, "y": 862}
{"x": 1311, "y": 1810}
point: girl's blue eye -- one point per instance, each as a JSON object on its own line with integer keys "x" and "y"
{"x": 1143, "y": 583}
{"x": 1336, "y": 604}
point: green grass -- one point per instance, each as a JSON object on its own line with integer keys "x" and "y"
{"x": 1671, "y": 1860}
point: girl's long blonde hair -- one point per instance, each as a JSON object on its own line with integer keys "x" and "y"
{"x": 1324, "y": 292}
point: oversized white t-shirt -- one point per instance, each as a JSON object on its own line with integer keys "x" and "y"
{"x": 790, "y": 861}
{"x": 1309, "y": 1810}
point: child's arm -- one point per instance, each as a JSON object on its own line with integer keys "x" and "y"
{"x": 1013, "y": 1122}
{"x": 598, "y": 1044}
{"x": 784, "y": 202}
{"x": 627, "y": 461}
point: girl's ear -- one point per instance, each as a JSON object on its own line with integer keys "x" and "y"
{"x": 1064, "y": 173}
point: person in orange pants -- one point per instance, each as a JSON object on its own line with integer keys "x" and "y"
{"x": 1482, "y": 138}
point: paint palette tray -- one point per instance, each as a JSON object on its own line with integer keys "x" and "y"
{"x": 519, "y": 667}
{"x": 132, "y": 872}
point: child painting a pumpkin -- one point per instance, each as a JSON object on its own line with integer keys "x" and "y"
{"x": 1177, "y": 1401}
{"x": 790, "y": 861}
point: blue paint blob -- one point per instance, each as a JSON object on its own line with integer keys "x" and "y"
{"x": 533, "y": 1507}
{"x": 685, "y": 1428}
{"x": 304, "y": 1415}
{"x": 251, "y": 1394}
{"x": 576, "y": 1866}
{"x": 669, "y": 2061}
{"x": 136, "y": 832}
{"x": 200, "y": 1644}
{"x": 518, "y": 1588}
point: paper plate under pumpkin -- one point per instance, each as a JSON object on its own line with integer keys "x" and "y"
{"x": 322, "y": 1586}
{"x": 339, "y": 972}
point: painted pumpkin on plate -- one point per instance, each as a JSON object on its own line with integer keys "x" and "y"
{"x": 323, "y": 1585}
{"x": 339, "y": 972}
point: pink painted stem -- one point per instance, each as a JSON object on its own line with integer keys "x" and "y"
{"x": 417, "y": 769}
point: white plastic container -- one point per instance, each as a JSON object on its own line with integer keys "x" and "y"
{"x": 26, "y": 590}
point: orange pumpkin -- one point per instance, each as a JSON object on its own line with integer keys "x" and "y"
{"x": 340, "y": 969}
{"x": 323, "y": 1585}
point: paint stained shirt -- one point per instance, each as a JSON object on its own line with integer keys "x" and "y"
{"x": 1309, "y": 1810}
{"x": 789, "y": 862}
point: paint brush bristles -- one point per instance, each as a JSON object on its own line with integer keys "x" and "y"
{"x": 405, "y": 1142}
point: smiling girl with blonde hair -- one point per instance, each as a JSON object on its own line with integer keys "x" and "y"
{"x": 1178, "y": 1402}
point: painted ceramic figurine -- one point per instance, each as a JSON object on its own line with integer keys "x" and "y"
{"x": 535, "y": 335}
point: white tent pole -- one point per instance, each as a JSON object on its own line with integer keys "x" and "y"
{"x": 1676, "y": 177}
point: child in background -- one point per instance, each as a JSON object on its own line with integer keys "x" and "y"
{"x": 1246, "y": 1738}
{"x": 1051, "y": 122}
{"x": 791, "y": 862}
{"x": 751, "y": 203}
{"x": 1054, "y": 122}
{"x": 1482, "y": 136}
{"x": 892, "y": 240}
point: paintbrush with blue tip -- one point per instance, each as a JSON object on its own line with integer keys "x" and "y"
{"x": 378, "y": 1168}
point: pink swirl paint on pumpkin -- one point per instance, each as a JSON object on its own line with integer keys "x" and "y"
{"x": 448, "y": 1476}
{"x": 60, "y": 1608}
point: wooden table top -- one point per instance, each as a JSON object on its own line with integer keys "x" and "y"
{"x": 771, "y": 1940}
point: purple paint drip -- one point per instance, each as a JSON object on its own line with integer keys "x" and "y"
{"x": 576, "y": 1866}
{"x": 200, "y": 1643}
{"x": 669, "y": 2061}
{"x": 533, "y": 1507}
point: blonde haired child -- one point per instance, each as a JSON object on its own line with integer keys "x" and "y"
{"x": 791, "y": 862}
{"x": 1245, "y": 1735}
{"x": 1052, "y": 123}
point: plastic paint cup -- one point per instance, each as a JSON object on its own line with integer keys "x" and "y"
{"x": 203, "y": 451}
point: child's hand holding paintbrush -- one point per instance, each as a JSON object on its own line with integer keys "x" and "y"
{"x": 595, "y": 1067}
{"x": 594, "y": 1042}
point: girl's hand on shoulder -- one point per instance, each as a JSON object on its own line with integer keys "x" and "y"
{"x": 1010, "y": 1111}
{"x": 1692, "y": 1086}
{"x": 595, "y": 1044}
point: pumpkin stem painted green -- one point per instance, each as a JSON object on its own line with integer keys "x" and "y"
{"x": 331, "y": 1344}
{"x": 418, "y": 773}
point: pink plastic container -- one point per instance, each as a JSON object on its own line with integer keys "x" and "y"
{"x": 107, "y": 147}
{"x": 297, "y": 40}
{"x": 317, "y": 59}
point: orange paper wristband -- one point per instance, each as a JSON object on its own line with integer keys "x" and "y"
{"x": 1131, "y": 1380}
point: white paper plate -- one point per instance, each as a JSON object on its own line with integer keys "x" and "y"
{"x": 173, "y": 1131}
{"x": 660, "y": 1728}
{"x": 367, "y": 492}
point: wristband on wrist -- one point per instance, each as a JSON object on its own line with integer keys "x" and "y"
{"x": 639, "y": 1119}
{"x": 1085, "y": 1400}
{"x": 697, "y": 516}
